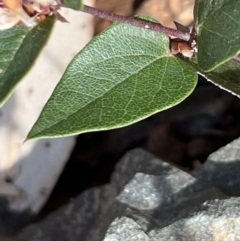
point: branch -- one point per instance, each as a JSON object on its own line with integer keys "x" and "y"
{"x": 140, "y": 23}
{"x": 136, "y": 22}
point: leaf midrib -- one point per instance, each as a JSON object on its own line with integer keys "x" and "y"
{"x": 2, "y": 100}
{"x": 212, "y": 12}
{"x": 120, "y": 82}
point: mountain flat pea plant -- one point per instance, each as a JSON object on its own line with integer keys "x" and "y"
{"x": 132, "y": 70}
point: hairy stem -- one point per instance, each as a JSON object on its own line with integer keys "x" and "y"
{"x": 140, "y": 23}
{"x": 136, "y": 22}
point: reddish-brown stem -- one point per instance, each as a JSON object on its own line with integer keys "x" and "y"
{"x": 136, "y": 22}
{"x": 140, "y": 23}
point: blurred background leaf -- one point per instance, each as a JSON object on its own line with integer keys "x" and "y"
{"x": 19, "y": 47}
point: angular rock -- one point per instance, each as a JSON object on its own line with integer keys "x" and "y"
{"x": 222, "y": 169}
{"x": 212, "y": 220}
{"x": 152, "y": 191}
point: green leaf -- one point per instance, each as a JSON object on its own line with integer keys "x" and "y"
{"x": 19, "y": 47}
{"x": 218, "y": 31}
{"x": 226, "y": 76}
{"x": 122, "y": 76}
{"x": 74, "y": 4}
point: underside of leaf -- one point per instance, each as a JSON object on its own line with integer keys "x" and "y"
{"x": 218, "y": 30}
